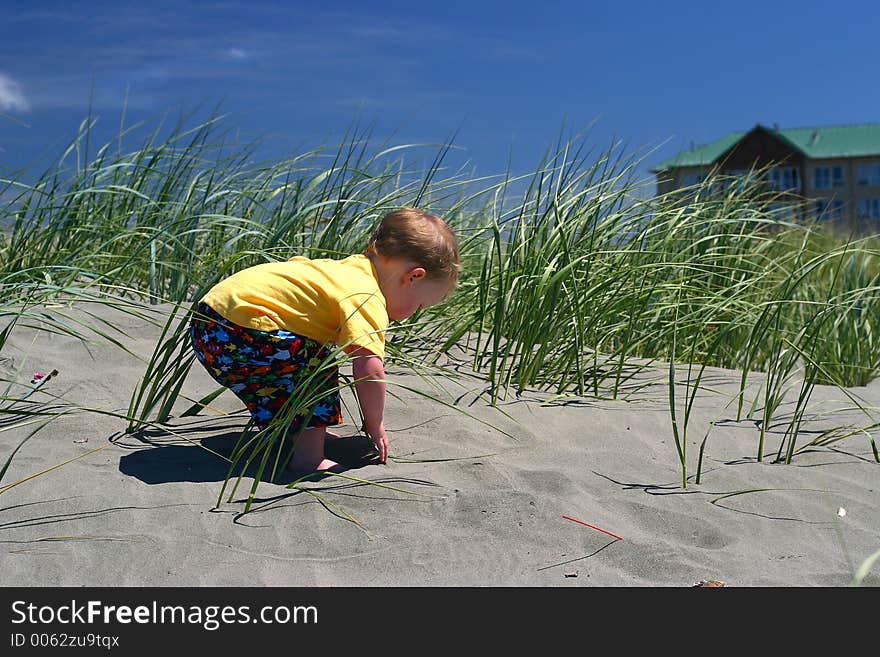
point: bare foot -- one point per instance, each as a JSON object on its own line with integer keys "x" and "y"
{"x": 302, "y": 466}
{"x": 308, "y": 457}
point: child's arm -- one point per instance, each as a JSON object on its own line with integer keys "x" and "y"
{"x": 369, "y": 374}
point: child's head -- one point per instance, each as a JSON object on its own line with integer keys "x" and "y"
{"x": 422, "y": 238}
{"x": 416, "y": 254}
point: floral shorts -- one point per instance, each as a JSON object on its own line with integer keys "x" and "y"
{"x": 266, "y": 368}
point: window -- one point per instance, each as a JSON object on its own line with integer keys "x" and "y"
{"x": 781, "y": 211}
{"x": 692, "y": 179}
{"x": 829, "y": 209}
{"x": 737, "y": 178}
{"x": 868, "y": 174}
{"x": 783, "y": 178}
{"x": 869, "y": 208}
{"x": 828, "y": 177}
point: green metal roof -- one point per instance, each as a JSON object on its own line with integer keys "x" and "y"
{"x": 837, "y": 141}
{"x": 702, "y": 155}
{"x": 820, "y": 142}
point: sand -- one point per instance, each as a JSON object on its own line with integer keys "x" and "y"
{"x": 474, "y": 495}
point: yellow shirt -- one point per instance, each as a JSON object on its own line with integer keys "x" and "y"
{"x": 336, "y": 301}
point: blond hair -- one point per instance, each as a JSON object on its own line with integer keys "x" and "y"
{"x": 425, "y": 239}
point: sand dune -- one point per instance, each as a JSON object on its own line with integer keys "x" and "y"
{"x": 473, "y": 496}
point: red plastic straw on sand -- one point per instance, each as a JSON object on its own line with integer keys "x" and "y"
{"x": 598, "y": 529}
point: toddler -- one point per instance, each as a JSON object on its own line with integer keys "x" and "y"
{"x": 266, "y": 332}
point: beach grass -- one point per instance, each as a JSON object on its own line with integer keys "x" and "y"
{"x": 576, "y": 280}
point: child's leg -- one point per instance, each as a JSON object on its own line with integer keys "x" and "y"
{"x": 308, "y": 455}
{"x": 264, "y": 393}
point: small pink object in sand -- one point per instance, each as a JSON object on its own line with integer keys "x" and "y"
{"x": 599, "y": 529}
{"x": 42, "y": 376}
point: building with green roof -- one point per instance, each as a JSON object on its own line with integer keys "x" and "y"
{"x": 835, "y": 168}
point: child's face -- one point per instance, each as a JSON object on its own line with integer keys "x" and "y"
{"x": 414, "y": 291}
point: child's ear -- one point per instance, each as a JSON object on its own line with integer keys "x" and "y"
{"x": 415, "y": 274}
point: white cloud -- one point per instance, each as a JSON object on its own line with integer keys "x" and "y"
{"x": 237, "y": 53}
{"x": 11, "y": 95}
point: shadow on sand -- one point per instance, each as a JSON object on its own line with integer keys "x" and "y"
{"x": 154, "y": 462}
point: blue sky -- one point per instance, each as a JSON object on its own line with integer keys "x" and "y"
{"x": 507, "y": 76}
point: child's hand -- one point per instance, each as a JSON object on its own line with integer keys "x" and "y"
{"x": 380, "y": 440}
